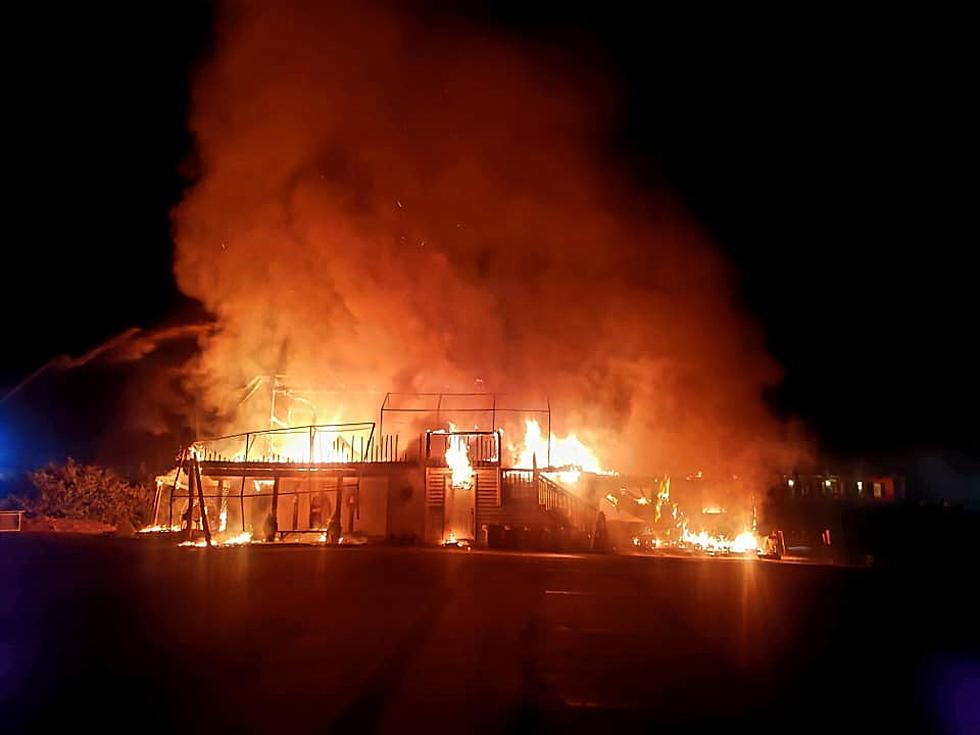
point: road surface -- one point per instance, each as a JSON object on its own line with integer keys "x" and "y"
{"x": 304, "y": 639}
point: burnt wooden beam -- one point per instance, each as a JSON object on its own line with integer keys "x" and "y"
{"x": 200, "y": 497}
{"x": 274, "y": 513}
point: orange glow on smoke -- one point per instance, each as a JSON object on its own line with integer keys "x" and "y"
{"x": 370, "y": 218}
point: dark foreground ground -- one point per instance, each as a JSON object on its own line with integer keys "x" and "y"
{"x": 138, "y": 634}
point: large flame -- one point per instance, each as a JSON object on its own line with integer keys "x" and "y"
{"x": 671, "y": 528}
{"x": 458, "y": 459}
{"x": 326, "y": 448}
{"x": 344, "y": 235}
{"x": 566, "y": 454}
{"x": 291, "y": 446}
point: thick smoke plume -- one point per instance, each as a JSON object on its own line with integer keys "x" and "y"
{"x": 381, "y": 206}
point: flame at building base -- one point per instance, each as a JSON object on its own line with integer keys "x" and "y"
{"x": 744, "y": 543}
{"x": 670, "y": 529}
{"x": 240, "y": 539}
{"x": 159, "y": 529}
{"x": 556, "y": 460}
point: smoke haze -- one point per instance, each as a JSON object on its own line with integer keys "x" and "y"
{"x": 380, "y": 206}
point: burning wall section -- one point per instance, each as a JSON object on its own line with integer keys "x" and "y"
{"x": 448, "y": 486}
{"x": 339, "y": 483}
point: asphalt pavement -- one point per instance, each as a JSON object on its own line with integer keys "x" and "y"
{"x": 117, "y": 633}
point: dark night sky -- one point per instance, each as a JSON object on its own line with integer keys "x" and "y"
{"x": 832, "y": 156}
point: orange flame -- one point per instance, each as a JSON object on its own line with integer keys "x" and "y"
{"x": 568, "y": 453}
{"x": 458, "y": 459}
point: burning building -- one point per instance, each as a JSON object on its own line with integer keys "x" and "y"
{"x": 488, "y": 476}
{"x": 351, "y": 481}
{"x": 436, "y": 212}
{"x": 365, "y": 217}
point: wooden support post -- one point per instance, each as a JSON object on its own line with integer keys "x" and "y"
{"x": 549, "y": 432}
{"x": 222, "y": 506}
{"x": 274, "y": 514}
{"x": 309, "y": 485}
{"x": 340, "y": 502}
{"x": 191, "y": 481}
{"x": 334, "y": 531}
{"x": 350, "y": 515}
{"x": 156, "y": 505}
{"x": 173, "y": 488}
{"x": 200, "y": 496}
{"x": 535, "y": 479}
{"x": 241, "y": 493}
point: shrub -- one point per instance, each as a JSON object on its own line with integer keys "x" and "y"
{"x": 88, "y": 492}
